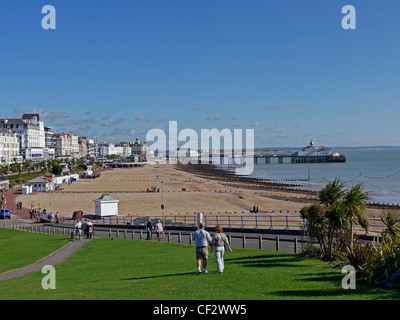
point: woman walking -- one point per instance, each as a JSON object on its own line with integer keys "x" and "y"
{"x": 158, "y": 228}
{"x": 220, "y": 241}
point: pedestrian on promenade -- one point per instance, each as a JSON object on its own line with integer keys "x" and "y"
{"x": 220, "y": 243}
{"x": 149, "y": 228}
{"x": 85, "y": 229}
{"x": 78, "y": 227}
{"x": 158, "y": 228}
{"x": 57, "y": 221}
{"x": 202, "y": 240}
{"x": 90, "y": 229}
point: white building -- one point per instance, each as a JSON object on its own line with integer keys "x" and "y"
{"x": 30, "y": 133}
{"x": 106, "y": 206}
{"x": 123, "y": 149}
{"x": 49, "y": 144}
{"x": 120, "y": 149}
{"x": 74, "y": 144}
{"x": 139, "y": 147}
{"x": 106, "y": 149}
{"x": 92, "y": 146}
{"x": 40, "y": 184}
{"x": 66, "y": 144}
{"x": 9, "y": 147}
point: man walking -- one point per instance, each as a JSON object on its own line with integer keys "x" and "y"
{"x": 149, "y": 228}
{"x": 202, "y": 239}
{"x": 78, "y": 227}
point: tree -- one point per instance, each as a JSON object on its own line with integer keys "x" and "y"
{"x": 331, "y": 198}
{"x": 331, "y": 193}
{"x": 354, "y": 203}
{"x": 336, "y": 212}
{"x": 56, "y": 169}
{"x": 318, "y": 226}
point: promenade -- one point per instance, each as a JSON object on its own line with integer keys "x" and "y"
{"x": 11, "y": 204}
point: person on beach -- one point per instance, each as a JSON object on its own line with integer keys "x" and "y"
{"x": 202, "y": 240}
{"x": 158, "y": 228}
{"x": 220, "y": 243}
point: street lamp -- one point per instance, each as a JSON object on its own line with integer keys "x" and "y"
{"x": 162, "y": 192}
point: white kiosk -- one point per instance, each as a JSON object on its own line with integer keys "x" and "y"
{"x": 106, "y": 206}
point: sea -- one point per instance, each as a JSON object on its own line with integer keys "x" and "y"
{"x": 377, "y": 169}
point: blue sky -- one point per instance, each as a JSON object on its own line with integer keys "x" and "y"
{"x": 287, "y": 69}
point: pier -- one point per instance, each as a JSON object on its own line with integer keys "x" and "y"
{"x": 265, "y": 158}
{"x": 299, "y": 159}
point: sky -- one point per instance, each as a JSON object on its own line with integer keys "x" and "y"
{"x": 285, "y": 68}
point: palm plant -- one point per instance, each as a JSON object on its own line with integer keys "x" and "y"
{"x": 391, "y": 220}
{"x": 386, "y": 261}
{"x": 331, "y": 193}
{"x": 354, "y": 203}
{"x": 331, "y": 198}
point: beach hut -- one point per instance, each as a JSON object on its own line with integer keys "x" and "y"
{"x": 27, "y": 189}
{"x": 106, "y": 206}
{"x": 40, "y": 184}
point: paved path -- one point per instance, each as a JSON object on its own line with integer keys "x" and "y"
{"x": 54, "y": 258}
{"x": 10, "y": 196}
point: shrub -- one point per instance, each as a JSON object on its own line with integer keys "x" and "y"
{"x": 391, "y": 220}
{"x": 361, "y": 257}
{"x": 384, "y": 263}
{"x": 311, "y": 251}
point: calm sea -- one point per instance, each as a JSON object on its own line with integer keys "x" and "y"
{"x": 378, "y": 170}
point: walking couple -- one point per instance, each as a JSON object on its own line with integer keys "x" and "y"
{"x": 218, "y": 242}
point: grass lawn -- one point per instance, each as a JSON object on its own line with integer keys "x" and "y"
{"x": 19, "y": 249}
{"x": 147, "y": 270}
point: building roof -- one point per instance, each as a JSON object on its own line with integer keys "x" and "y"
{"x": 106, "y": 197}
{"x": 39, "y": 180}
{"x": 30, "y": 116}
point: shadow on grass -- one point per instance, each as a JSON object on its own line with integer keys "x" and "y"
{"x": 312, "y": 293}
{"x": 362, "y": 289}
{"x": 264, "y": 261}
{"x": 162, "y": 276}
{"x": 330, "y": 279}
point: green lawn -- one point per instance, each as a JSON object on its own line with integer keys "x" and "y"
{"x": 19, "y": 249}
{"x": 136, "y": 270}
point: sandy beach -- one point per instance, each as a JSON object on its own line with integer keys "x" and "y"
{"x": 185, "y": 193}
{"x": 129, "y": 186}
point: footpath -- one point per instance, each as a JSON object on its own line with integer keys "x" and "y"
{"x": 52, "y": 259}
